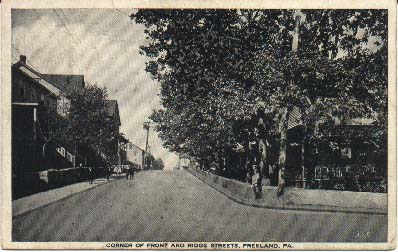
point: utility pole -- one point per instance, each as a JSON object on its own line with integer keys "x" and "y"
{"x": 146, "y": 127}
{"x": 295, "y": 44}
{"x": 149, "y": 158}
{"x": 285, "y": 124}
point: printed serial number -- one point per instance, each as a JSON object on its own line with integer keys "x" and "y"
{"x": 363, "y": 234}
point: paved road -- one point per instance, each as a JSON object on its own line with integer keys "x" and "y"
{"x": 175, "y": 206}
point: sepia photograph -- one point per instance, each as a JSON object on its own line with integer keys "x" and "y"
{"x": 200, "y": 128}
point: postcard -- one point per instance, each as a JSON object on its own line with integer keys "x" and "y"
{"x": 206, "y": 125}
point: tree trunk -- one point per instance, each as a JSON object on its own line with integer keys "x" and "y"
{"x": 248, "y": 161}
{"x": 226, "y": 159}
{"x": 263, "y": 157}
{"x": 220, "y": 159}
{"x": 260, "y": 157}
{"x": 282, "y": 152}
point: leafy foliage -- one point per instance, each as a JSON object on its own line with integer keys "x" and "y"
{"x": 222, "y": 70}
{"x": 87, "y": 123}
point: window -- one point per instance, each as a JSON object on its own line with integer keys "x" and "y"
{"x": 346, "y": 152}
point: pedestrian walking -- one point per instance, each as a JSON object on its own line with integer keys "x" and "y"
{"x": 281, "y": 182}
{"x": 109, "y": 173}
{"x": 131, "y": 170}
{"x": 79, "y": 175}
{"x": 127, "y": 173}
{"x": 90, "y": 175}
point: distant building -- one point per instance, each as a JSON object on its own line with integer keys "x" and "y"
{"x": 353, "y": 157}
{"x": 333, "y": 154}
{"x": 123, "y": 145}
{"x": 343, "y": 153}
{"x": 135, "y": 155}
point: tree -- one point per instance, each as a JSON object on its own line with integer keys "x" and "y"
{"x": 198, "y": 55}
{"x": 229, "y": 77}
{"x": 87, "y": 122}
{"x": 333, "y": 73}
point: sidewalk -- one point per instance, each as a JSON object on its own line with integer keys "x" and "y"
{"x": 297, "y": 198}
{"x": 29, "y": 203}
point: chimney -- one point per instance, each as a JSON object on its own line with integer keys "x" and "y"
{"x": 22, "y": 58}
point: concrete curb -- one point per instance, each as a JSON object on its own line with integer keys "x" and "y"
{"x": 283, "y": 206}
{"x": 26, "y": 211}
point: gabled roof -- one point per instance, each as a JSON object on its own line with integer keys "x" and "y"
{"x": 37, "y": 77}
{"x": 122, "y": 138}
{"x": 136, "y": 146}
{"x": 66, "y": 82}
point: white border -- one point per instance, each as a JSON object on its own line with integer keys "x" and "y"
{"x": 266, "y": 4}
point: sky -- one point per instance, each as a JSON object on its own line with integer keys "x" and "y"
{"x": 103, "y": 45}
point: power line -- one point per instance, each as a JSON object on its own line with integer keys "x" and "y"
{"x": 63, "y": 14}
{"x": 16, "y": 49}
{"x": 30, "y": 63}
{"x": 63, "y": 23}
{"x": 65, "y": 26}
{"x": 66, "y": 18}
{"x": 124, "y": 13}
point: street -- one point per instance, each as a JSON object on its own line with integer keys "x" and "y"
{"x": 175, "y": 206}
